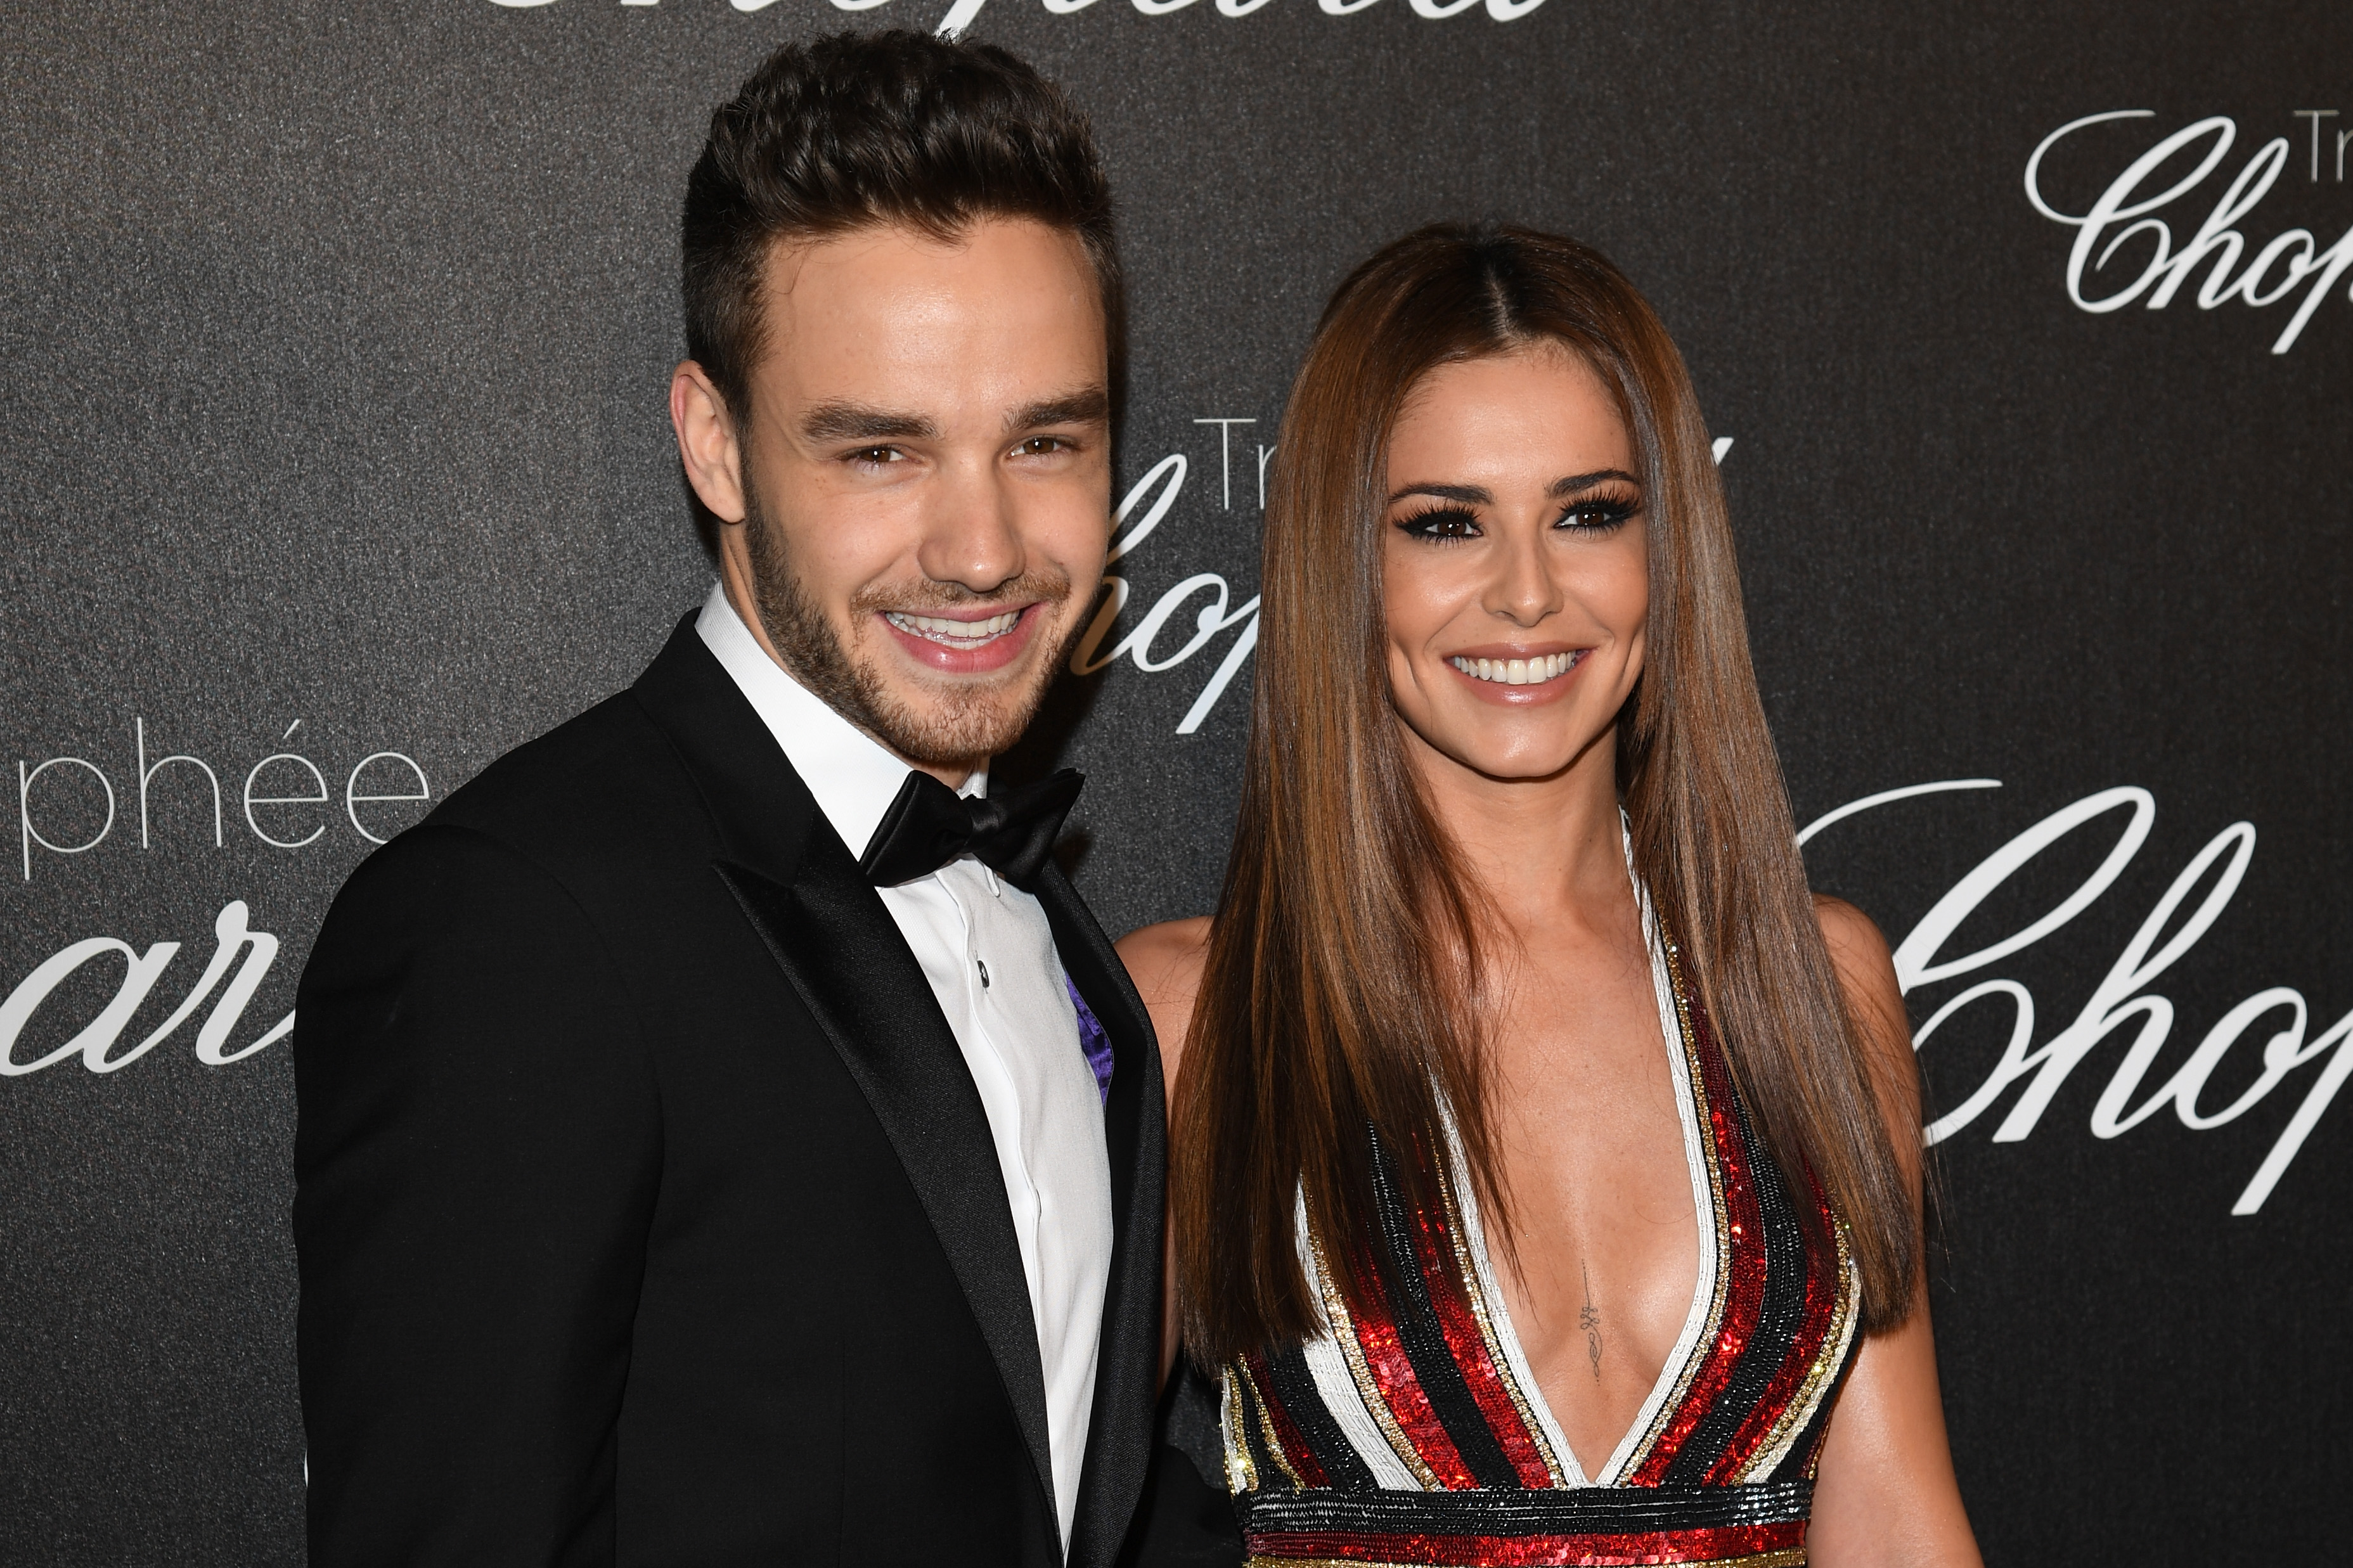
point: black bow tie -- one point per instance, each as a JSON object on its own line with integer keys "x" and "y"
{"x": 930, "y": 824}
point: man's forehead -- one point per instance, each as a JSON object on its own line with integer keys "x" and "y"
{"x": 888, "y": 333}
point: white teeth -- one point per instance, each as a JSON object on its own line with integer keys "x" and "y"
{"x": 1518, "y": 671}
{"x": 938, "y": 628}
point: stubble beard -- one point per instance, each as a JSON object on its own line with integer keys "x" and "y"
{"x": 965, "y": 725}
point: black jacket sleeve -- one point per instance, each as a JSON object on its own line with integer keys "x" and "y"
{"x": 475, "y": 1160}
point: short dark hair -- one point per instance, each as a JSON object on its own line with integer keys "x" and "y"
{"x": 852, "y": 130}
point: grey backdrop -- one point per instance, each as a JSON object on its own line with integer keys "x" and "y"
{"x": 332, "y": 424}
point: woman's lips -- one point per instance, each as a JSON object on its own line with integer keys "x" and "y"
{"x": 962, "y": 645}
{"x": 1520, "y": 670}
{"x": 1516, "y": 677}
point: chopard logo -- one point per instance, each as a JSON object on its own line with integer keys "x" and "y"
{"x": 2122, "y": 1002}
{"x": 960, "y": 13}
{"x": 1156, "y": 493}
{"x": 2118, "y": 226}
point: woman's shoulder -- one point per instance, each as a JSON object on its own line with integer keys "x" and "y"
{"x": 1167, "y": 957}
{"x": 1859, "y": 954}
{"x": 1843, "y": 925}
{"x": 1166, "y": 963}
{"x": 1874, "y": 998}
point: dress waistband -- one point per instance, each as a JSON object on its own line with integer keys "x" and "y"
{"x": 1758, "y": 1526}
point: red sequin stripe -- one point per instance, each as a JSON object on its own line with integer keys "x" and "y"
{"x": 1384, "y": 1358}
{"x": 1304, "y": 1462}
{"x": 1744, "y": 1287}
{"x": 1715, "y": 1545}
{"x": 1450, "y": 1298}
{"x": 1806, "y": 1344}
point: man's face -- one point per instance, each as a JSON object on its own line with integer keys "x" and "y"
{"x": 924, "y": 484}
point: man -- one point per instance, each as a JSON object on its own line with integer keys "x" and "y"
{"x": 725, "y": 1137}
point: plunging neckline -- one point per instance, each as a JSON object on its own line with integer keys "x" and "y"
{"x": 1410, "y": 1427}
{"x": 1708, "y": 1203}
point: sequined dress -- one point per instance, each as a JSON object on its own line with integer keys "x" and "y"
{"x": 1412, "y": 1431}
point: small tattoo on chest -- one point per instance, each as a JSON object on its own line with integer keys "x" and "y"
{"x": 1589, "y": 1318}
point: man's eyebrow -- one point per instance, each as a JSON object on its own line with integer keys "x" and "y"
{"x": 857, "y": 422}
{"x": 1088, "y": 405}
{"x": 1576, "y": 483}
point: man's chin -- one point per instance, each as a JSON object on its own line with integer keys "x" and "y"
{"x": 949, "y": 740}
{"x": 952, "y": 721}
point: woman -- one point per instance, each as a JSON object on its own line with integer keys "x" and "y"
{"x": 1546, "y": 1160}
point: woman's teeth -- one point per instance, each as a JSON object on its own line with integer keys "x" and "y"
{"x": 1518, "y": 671}
{"x": 955, "y": 633}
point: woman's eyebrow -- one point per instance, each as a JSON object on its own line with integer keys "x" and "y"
{"x": 1479, "y": 495}
{"x": 1469, "y": 495}
{"x": 1576, "y": 483}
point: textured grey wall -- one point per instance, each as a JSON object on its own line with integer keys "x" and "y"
{"x": 332, "y": 424}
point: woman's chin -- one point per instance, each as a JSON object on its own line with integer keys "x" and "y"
{"x": 1512, "y": 759}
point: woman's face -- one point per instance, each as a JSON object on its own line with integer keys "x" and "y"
{"x": 1515, "y": 572}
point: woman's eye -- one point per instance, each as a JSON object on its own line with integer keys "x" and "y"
{"x": 1446, "y": 524}
{"x": 1598, "y": 515}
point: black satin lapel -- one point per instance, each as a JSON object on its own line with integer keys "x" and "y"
{"x": 1120, "y": 1432}
{"x": 759, "y": 806}
{"x": 846, "y": 958}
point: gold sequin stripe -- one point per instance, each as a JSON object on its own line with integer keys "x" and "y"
{"x": 1267, "y": 1427}
{"x": 1710, "y": 1158}
{"x": 1241, "y": 1470}
{"x": 1496, "y": 1357}
{"x": 1343, "y": 1333}
{"x": 1827, "y": 1360}
{"x": 1787, "y": 1557}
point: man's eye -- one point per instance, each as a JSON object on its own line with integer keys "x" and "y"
{"x": 1042, "y": 447}
{"x": 876, "y": 455}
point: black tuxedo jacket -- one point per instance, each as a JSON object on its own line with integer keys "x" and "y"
{"x": 647, "y": 1213}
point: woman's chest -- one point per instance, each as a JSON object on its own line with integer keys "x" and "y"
{"x": 1603, "y": 1258}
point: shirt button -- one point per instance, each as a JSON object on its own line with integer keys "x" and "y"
{"x": 983, "y": 964}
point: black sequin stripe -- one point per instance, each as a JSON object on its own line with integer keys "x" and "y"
{"x": 1255, "y": 1439}
{"x": 1344, "y": 1468}
{"x": 1426, "y": 1350}
{"x": 1568, "y": 1511}
{"x": 1782, "y": 1313}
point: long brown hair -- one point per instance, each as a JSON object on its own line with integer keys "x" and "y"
{"x": 1341, "y": 988}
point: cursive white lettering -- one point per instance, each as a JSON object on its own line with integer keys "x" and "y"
{"x": 2120, "y": 998}
{"x": 2296, "y": 255}
{"x": 94, "y": 1043}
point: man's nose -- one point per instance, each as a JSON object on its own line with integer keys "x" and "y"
{"x": 972, "y": 533}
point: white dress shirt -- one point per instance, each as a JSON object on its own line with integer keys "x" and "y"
{"x": 988, "y": 953}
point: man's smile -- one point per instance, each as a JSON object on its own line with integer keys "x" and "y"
{"x": 980, "y": 643}
{"x": 951, "y": 631}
